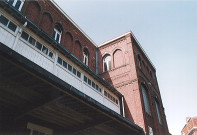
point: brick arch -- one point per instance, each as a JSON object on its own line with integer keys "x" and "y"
{"x": 118, "y": 59}
{"x": 68, "y": 41}
{"x": 78, "y": 49}
{"x": 33, "y": 11}
{"x": 46, "y": 22}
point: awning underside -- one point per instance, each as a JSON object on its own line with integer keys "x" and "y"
{"x": 27, "y": 96}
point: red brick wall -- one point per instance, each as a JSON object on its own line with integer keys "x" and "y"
{"x": 46, "y": 16}
{"x": 189, "y": 127}
{"x": 127, "y": 77}
{"x": 150, "y": 81}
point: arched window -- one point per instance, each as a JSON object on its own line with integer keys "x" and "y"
{"x": 139, "y": 60}
{"x": 146, "y": 102}
{"x": 57, "y": 33}
{"x": 158, "y": 112}
{"x": 16, "y": 3}
{"x": 85, "y": 56}
{"x": 106, "y": 63}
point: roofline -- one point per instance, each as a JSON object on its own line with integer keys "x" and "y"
{"x": 32, "y": 26}
{"x": 111, "y": 40}
{"x": 32, "y": 67}
{"x": 73, "y": 22}
{"x": 130, "y": 32}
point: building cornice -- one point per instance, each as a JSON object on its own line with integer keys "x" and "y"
{"x": 32, "y": 26}
{"x": 73, "y": 22}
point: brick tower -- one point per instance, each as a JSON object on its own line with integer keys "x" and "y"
{"x": 125, "y": 65}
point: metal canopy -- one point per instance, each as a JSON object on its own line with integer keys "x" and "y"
{"x": 29, "y": 93}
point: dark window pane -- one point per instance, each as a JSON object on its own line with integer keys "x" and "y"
{"x": 12, "y": 26}
{"x": 70, "y": 68}
{"x": 11, "y": 2}
{"x": 38, "y": 45}
{"x": 57, "y": 38}
{"x": 64, "y": 64}
{"x": 3, "y": 20}
{"x": 45, "y": 50}
{"x": 105, "y": 93}
{"x": 113, "y": 99}
{"x": 78, "y": 74}
{"x": 32, "y": 41}
{"x": 93, "y": 84}
{"x": 51, "y": 54}
{"x": 105, "y": 67}
{"x": 89, "y": 82}
{"x": 100, "y": 89}
{"x": 18, "y": 3}
{"x": 85, "y": 79}
{"x": 116, "y": 101}
{"x": 59, "y": 60}
{"x": 74, "y": 71}
{"x": 96, "y": 87}
{"x": 24, "y": 35}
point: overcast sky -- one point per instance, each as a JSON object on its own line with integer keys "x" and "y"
{"x": 166, "y": 29}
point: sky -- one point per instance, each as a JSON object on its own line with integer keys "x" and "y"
{"x": 167, "y": 31}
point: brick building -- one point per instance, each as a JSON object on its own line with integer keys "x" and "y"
{"x": 74, "y": 86}
{"x": 133, "y": 75}
{"x": 190, "y": 127}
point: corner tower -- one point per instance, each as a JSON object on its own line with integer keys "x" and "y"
{"x": 125, "y": 65}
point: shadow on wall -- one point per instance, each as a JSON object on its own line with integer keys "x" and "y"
{"x": 106, "y": 65}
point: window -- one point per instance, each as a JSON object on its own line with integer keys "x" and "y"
{"x": 57, "y": 33}
{"x": 146, "y": 102}
{"x": 150, "y": 130}
{"x": 85, "y": 79}
{"x": 10, "y": 25}
{"x": 16, "y": 3}
{"x": 59, "y": 60}
{"x": 93, "y": 84}
{"x": 78, "y": 74}
{"x": 89, "y": 82}
{"x": 74, "y": 71}
{"x": 69, "y": 67}
{"x": 85, "y": 56}
{"x": 32, "y": 41}
{"x": 107, "y": 63}
{"x": 38, "y": 46}
{"x": 65, "y": 64}
{"x": 158, "y": 112}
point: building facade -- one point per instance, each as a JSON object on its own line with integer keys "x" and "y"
{"x": 75, "y": 86}
{"x": 131, "y": 72}
{"x": 190, "y": 127}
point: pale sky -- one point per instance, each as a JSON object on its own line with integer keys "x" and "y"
{"x": 167, "y": 30}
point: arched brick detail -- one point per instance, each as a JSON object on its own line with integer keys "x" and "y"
{"x": 46, "y": 22}
{"x": 78, "y": 50}
{"x": 68, "y": 41}
{"x": 118, "y": 58}
{"x": 33, "y": 11}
